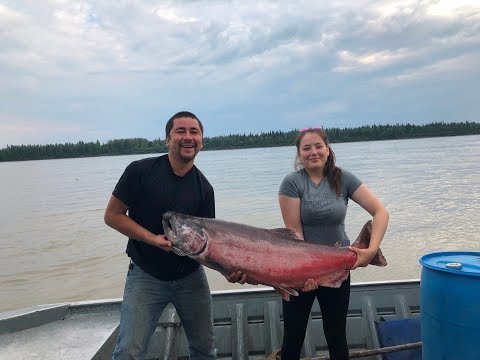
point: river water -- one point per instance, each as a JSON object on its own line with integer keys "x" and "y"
{"x": 55, "y": 246}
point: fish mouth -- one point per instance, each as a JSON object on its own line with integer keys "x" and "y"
{"x": 173, "y": 232}
{"x": 167, "y": 224}
{"x": 168, "y": 228}
{"x": 181, "y": 253}
{"x": 171, "y": 235}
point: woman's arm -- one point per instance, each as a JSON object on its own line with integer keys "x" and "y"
{"x": 367, "y": 200}
{"x": 290, "y": 208}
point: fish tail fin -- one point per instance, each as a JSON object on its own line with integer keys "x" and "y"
{"x": 363, "y": 241}
{"x": 378, "y": 259}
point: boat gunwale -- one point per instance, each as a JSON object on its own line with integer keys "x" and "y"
{"x": 59, "y": 311}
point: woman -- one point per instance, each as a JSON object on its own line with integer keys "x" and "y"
{"x": 313, "y": 201}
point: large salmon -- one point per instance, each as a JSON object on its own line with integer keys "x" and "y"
{"x": 273, "y": 257}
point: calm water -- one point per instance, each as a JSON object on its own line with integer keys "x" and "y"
{"x": 55, "y": 246}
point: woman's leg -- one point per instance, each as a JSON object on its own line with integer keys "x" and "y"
{"x": 334, "y": 306}
{"x": 295, "y": 320}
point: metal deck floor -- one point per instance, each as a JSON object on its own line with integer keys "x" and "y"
{"x": 77, "y": 336}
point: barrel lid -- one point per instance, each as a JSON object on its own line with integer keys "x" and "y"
{"x": 460, "y": 262}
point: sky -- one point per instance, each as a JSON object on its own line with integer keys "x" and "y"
{"x": 100, "y": 70}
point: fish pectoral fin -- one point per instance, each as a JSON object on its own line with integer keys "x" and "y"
{"x": 212, "y": 264}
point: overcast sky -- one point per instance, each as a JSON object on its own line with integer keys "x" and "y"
{"x": 101, "y": 70}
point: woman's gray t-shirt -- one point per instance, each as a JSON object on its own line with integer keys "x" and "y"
{"x": 322, "y": 213}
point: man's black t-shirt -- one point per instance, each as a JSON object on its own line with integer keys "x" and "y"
{"x": 149, "y": 187}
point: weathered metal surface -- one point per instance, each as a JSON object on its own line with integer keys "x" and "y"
{"x": 59, "y": 332}
{"x": 248, "y": 325}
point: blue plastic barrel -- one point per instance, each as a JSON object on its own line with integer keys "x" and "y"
{"x": 450, "y": 306}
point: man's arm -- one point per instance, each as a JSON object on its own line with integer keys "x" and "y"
{"x": 116, "y": 217}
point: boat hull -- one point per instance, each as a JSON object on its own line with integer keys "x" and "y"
{"x": 248, "y": 325}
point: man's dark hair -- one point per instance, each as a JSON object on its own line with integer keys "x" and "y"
{"x": 169, "y": 125}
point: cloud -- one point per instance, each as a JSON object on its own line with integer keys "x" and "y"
{"x": 118, "y": 69}
{"x": 453, "y": 65}
{"x": 171, "y": 14}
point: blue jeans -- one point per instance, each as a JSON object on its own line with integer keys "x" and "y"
{"x": 145, "y": 297}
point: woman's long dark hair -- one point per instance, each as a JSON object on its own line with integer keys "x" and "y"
{"x": 331, "y": 171}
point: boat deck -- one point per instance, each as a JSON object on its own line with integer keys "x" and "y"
{"x": 75, "y": 331}
{"x": 248, "y": 325}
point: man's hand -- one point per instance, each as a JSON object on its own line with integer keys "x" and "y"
{"x": 162, "y": 242}
{"x": 237, "y": 277}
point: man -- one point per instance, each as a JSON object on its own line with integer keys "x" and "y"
{"x": 147, "y": 189}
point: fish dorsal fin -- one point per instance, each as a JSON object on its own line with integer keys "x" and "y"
{"x": 286, "y": 233}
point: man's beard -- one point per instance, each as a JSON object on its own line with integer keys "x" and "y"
{"x": 187, "y": 159}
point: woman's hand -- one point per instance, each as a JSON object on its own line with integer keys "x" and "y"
{"x": 364, "y": 256}
{"x": 310, "y": 285}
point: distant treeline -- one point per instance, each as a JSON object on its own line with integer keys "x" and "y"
{"x": 269, "y": 139}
